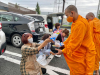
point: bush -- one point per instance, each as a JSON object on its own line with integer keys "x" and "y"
{"x": 99, "y": 16}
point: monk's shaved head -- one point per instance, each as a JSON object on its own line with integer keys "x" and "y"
{"x": 90, "y": 16}
{"x": 71, "y": 11}
{"x": 71, "y": 8}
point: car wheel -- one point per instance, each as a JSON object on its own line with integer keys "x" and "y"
{"x": 16, "y": 40}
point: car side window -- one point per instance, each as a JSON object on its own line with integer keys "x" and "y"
{"x": 16, "y": 18}
{"x": 6, "y": 17}
{"x": 38, "y": 17}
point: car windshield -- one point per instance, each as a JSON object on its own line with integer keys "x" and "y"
{"x": 38, "y": 17}
{"x": 31, "y": 18}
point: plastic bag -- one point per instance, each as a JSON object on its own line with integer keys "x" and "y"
{"x": 54, "y": 36}
{"x": 61, "y": 44}
{"x": 42, "y": 60}
{"x": 58, "y": 43}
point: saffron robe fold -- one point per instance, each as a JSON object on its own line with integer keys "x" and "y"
{"x": 79, "y": 51}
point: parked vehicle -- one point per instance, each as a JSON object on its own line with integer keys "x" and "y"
{"x": 2, "y": 41}
{"x": 41, "y": 18}
{"x": 14, "y": 25}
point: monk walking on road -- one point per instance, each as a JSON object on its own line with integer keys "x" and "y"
{"x": 79, "y": 49}
{"x": 95, "y": 29}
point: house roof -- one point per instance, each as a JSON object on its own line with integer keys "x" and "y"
{"x": 4, "y": 8}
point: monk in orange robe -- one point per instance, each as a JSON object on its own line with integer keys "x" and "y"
{"x": 95, "y": 30}
{"x": 79, "y": 49}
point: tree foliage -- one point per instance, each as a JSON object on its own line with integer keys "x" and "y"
{"x": 99, "y": 16}
{"x": 17, "y": 6}
{"x": 38, "y": 9}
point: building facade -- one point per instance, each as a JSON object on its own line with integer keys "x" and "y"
{"x": 16, "y": 9}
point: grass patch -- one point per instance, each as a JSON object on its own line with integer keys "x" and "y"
{"x": 64, "y": 25}
{"x": 67, "y": 25}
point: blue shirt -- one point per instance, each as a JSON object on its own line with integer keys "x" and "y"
{"x": 56, "y": 29}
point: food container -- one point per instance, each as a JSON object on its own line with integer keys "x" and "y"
{"x": 53, "y": 49}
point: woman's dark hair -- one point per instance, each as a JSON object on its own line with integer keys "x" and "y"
{"x": 66, "y": 32}
{"x": 56, "y": 25}
{"x": 45, "y": 36}
{"x": 24, "y": 37}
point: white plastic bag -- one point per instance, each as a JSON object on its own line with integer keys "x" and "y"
{"x": 61, "y": 44}
{"x": 42, "y": 60}
{"x": 58, "y": 43}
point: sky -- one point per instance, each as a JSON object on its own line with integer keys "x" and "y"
{"x": 83, "y": 6}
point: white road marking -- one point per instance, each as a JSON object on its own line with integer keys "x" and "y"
{"x": 10, "y": 59}
{"x": 58, "y": 69}
{"x": 50, "y": 72}
{"x": 50, "y": 69}
{"x": 12, "y": 53}
{"x": 19, "y": 55}
{"x": 49, "y": 58}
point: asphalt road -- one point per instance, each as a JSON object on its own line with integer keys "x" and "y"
{"x": 10, "y": 61}
{"x": 9, "y": 64}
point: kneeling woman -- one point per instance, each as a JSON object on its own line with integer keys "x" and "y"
{"x": 29, "y": 65}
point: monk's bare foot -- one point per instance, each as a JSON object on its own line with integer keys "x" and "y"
{"x": 97, "y": 72}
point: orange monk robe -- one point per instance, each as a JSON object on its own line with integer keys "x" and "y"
{"x": 95, "y": 29}
{"x": 79, "y": 50}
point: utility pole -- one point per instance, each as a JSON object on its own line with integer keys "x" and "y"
{"x": 75, "y": 2}
{"x": 98, "y": 9}
{"x": 63, "y": 5}
{"x": 63, "y": 11}
{"x": 59, "y": 5}
{"x": 55, "y": 6}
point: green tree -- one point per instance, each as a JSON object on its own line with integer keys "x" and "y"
{"x": 99, "y": 16}
{"x": 38, "y": 9}
{"x": 17, "y": 6}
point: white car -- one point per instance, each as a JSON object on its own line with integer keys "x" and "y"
{"x": 2, "y": 41}
{"x": 41, "y": 18}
